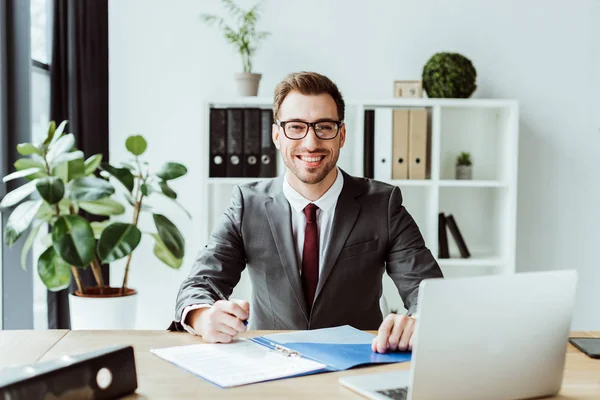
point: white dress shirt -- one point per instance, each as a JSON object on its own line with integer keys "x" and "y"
{"x": 325, "y": 213}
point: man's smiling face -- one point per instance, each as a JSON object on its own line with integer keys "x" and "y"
{"x": 309, "y": 159}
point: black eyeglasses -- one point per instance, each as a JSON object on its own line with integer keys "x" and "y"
{"x": 297, "y": 130}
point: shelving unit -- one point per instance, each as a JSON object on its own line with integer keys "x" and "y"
{"x": 484, "y": 208}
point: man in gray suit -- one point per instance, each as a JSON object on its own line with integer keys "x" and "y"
{"x": 316, "y": 241}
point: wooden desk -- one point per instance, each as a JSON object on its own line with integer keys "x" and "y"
{"x": 158, "y": 379}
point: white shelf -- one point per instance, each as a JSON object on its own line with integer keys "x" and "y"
{"x": 471, "y": 262}
{"x": 425, "y": 102}
{"x": 410, "y": 182}
{"x": 471, "y": 183}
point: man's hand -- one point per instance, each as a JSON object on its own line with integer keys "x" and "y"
{"x": 395, "y": 333}
{"x": 221, "y": 322}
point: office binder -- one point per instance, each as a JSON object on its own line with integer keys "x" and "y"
{"x": 268, "y": 152}
{"x": 443, "y": 251}
{"x": 279, "y": 356}
{"x": 105, "y": 374}
{"x": 369, "y": 143}
{"x": 417, "y": 144}
{"x": 235, "y": 142}
{"x": 218, "y": 143}
{"x": 252, "y": 133}
{"x": 383, "y": 144}
{"x": 400, "y": 144}
{"x": 458, "y": 238}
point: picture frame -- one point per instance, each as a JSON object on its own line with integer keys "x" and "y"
{"x": 408, "y": 89}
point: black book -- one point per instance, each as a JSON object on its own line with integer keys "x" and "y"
{"x": 268, "y": 152}
{"x": 105, "y": 374}
{"x": 218, "y": 143}
{"x": 252, "y": 131}
{"x": 235, "y": 142}
{"x": 460, "y": 242}
{"x": 369, "y": 144}
{"x": 443, "y": 251}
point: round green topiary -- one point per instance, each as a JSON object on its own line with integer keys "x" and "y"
{"x": 449, "y": 75}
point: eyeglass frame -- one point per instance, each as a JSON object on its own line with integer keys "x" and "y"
{"x": 339, "y": 125}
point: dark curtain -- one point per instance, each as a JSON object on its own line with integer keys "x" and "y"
{"x": 79, "y": 94}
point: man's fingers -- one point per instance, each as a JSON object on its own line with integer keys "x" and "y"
{"x": 411, "y": 341}
{"x": 217, "y": 337}
{"x": 232, "y": 308}
{"x": 374, "y": 344}
{"x": 396, "y": 335}
{"x": 244, "y": 305}
{"x": 233, "y": 322}
{"x": 224, "y": 328}
{"x": 384, "y": 333}
{"x": 406, "y": 334}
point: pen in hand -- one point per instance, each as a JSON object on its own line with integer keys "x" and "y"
{"x": 220, "y": 294}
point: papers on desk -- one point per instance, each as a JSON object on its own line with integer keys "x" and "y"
{"x": 237, "y": 363}
{"x": 277, "y": 356}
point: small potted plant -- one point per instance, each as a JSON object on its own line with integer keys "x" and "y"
{"x": 464, "y": 166}
{"x": 61, "y": 184}
{"x": 245, "y": 38}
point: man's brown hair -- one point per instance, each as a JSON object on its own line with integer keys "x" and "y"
{"x": 308, "y": 83}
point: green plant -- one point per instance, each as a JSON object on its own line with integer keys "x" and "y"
{"x": 464, "y": 159}
{"x": 244, "y": 37}
{"x": 61, "y": 185}
{"x": 449, "y": 75}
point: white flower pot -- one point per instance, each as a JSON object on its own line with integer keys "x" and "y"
{"x": 247, "y": 83}
{"x": 95, "y": 311}
{"x": 464, "y": 172}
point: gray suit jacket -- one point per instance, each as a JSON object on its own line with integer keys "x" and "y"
{"x": 371, "y": 233}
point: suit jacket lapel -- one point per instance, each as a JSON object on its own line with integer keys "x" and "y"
{"x": 346, "y": 213}
{"x": 279, "y": 217}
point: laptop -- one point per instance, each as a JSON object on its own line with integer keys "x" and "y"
{"x": 492, "y": 337}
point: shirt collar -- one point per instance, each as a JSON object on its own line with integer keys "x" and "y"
{"x": 326, "y": 202}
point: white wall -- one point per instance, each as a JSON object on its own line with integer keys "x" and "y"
{"x": 164, "y": 63}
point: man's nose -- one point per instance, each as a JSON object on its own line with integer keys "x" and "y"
{"x": 311, "y": 140}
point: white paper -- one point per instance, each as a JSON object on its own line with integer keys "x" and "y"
{"x": 339, "y": 335}
{"x": 237, "y": 363}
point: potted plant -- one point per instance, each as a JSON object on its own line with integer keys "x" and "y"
{"x": 464, "y": 166}
{"x": 60, "y": 185}
{"x": 449, "y": 75}
{"x": 245, "y": 38}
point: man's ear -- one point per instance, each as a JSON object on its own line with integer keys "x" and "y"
{"x": 275, "y": 135}
{"x": 342, "y": 135}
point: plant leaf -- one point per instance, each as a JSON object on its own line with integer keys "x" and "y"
{"x": 47, "y": 212}
{"x": 136, "y": 145}
{"x": 170, "y": 235}
{"x": 92, "y": 163}
{"x": 53, "y": 270}
{"x": 167, "y": 191}
{"x": 50, "y": 135}
{"x": 19, "y": 220}
{"x": 26, "y": 163}
{"x": 26, "y": 149}
{"x": 65, "y": 157}
{"x": 89, "y": 188}
{"x": 69, "y": 170}
{"x": 123, "y": 175}
{"x": 98, "y": 227}
{"x": 105, "y": 206}
{"x": 147, "y": 189}
{"x": 58, "y": 133}
{"x": 163, "y": 254}
{"x": 20, "y": 174}
{"x": 61, "y": 146}
{"x": 51, "y": 188}
{"x": 117, "y": 241}
{"x": 17, "y": 195}
{"x": 28, "y": 243}
{"x": 73, "y": 240}
{"x": 171, "y": 170}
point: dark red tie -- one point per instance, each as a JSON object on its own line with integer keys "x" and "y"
{"x": 310, "y": 255}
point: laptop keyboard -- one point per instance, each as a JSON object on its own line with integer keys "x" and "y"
{"x": 395, "y": 394}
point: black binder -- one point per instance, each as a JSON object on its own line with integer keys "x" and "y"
{"x": 106, "y": 374}
{"x": 268, "y": 152}
{"x": 218, "y": 142}
{"x": 460, "y": 242}
{"x": 235, "y": 142}
{"x": 252, "y": 122}
{"x": 369, "y": 144}
{"x": 443, "y": 251}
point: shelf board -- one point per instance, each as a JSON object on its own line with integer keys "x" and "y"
{"x": 471, "y": 183}
{"x": 265, "y": 102}
{"x": 409, "y": 182}
{"x": 471, "y": 262}
{"x": 233, "y": 181}
{"x": 426, "y": 102}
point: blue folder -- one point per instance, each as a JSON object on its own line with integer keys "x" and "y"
{"x": 339, "y": 348}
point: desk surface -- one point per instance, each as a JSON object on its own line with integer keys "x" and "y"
{"x": 158, "y": 379}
